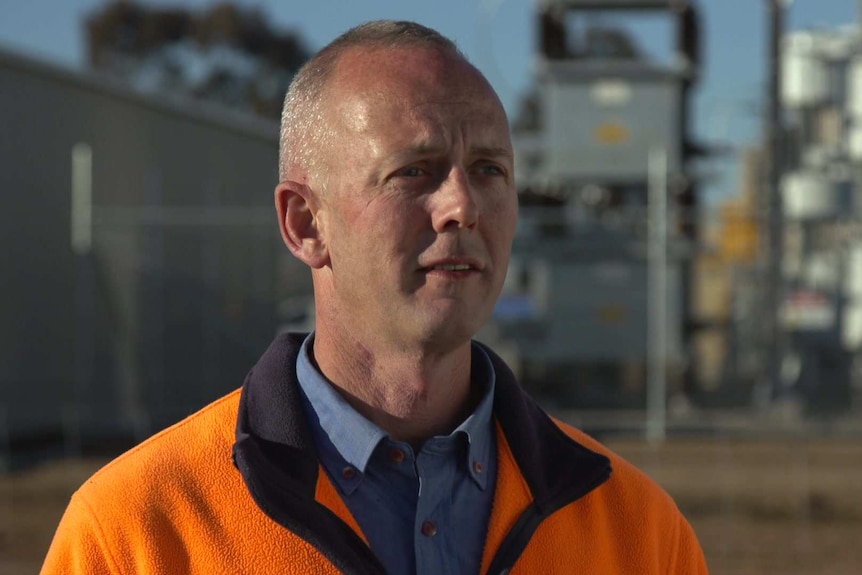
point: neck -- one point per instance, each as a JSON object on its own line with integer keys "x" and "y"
{"x": 412, "y": 395}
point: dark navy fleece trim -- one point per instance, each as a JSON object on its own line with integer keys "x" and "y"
{"x": 275, "y": 453}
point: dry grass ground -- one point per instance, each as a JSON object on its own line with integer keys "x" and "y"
{"x": 766, "y": 507}
{"x": 31, "y": 504}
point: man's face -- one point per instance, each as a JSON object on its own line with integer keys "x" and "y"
{"x": 419, "y": 208}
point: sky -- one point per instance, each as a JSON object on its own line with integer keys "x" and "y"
{"x": 497, "y": 35}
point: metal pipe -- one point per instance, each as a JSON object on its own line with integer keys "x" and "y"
{"x": 657, "y": 337}
{"x": 774, "y": 248}
{"x": 85, "y": 305}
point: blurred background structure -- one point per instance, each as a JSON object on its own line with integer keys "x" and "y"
{"x": 687, "y": 267}
{"x": 153, "y": 281}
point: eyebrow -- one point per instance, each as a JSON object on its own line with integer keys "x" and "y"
{"x": 431, "y": 149}
{"x": 420, "y": 150}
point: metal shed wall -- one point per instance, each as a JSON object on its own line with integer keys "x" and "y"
{"x": 178, "y": 296}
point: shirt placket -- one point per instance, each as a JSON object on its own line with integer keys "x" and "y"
{"x": 433, "y": 530}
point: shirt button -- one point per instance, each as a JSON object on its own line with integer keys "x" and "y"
{"x": 396, "y": 455}
{"x": 478, "y": 467}
{"x": 348, "y": 472}
{"x": 429, "y": 529}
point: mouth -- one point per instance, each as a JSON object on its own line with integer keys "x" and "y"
{"x": 450, "y": 267}
{"x": 453, "y": 265}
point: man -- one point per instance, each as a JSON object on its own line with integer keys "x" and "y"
{"x": 386, "y": 441}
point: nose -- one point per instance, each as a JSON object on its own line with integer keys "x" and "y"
{"x": 454, "y": 203}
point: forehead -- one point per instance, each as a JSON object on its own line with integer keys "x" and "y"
{"x": 361, "y": 67}
{"x": 415, "y": 86}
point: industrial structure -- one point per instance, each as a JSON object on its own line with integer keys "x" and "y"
{"x": 609, "y": 209}
{"x": 602, "y": 305}
{"x": 821, "y": 264}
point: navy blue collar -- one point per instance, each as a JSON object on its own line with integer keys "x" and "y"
{"x": 276, "y": 455}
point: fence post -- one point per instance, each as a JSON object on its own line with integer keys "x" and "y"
{"x": 657, "y": 344}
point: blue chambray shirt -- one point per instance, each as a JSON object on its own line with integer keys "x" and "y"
{"x": 423, "y": 513}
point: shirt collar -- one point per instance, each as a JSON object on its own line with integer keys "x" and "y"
{"x": 355, "y": 438}
{"x": 478, "y": 427}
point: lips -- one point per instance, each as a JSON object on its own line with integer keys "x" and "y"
{"x": 453, "y": 265}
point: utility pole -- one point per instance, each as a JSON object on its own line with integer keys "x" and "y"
{"x": 774, "y": 244}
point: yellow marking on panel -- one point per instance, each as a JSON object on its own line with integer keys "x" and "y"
{"x": 612, "y": 314}
{"x": 611, "y": 133}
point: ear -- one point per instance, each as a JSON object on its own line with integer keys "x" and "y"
{"x": 299, "y": 223}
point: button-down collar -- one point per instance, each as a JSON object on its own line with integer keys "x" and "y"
{"x": 345, "y": 438}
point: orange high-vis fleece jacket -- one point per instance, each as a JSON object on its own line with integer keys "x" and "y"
{"x": 236, "y": 488}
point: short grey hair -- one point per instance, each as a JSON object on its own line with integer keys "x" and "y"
{"x": 302, "y": 122}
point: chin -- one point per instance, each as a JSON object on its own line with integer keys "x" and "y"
{"x": 449, "y": 335}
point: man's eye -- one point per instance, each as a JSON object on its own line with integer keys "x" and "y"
{"x": 490, "y": 170}
{"x": 411, "y": 172}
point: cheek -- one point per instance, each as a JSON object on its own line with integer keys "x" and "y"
{"x": 383, "y": 238}
{"x": 399, "y": 221}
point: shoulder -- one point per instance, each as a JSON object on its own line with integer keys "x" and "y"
{"x": 643, "y": 511}
{"x": 142, "y": 508}
{"x": 628, "y": 486}
{"x": 188, "y": 452}
{"x": 633, "y": 522}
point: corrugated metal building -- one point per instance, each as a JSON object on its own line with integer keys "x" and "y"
{"x": 170, "y": 291}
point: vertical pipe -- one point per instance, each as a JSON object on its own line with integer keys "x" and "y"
{"x": 85, "y": 307}
{"x": 773, "y": 129}
{"x": 82, "y": 199}
{"x": 211, "y": 309}
{"x": 657, "y": 345}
